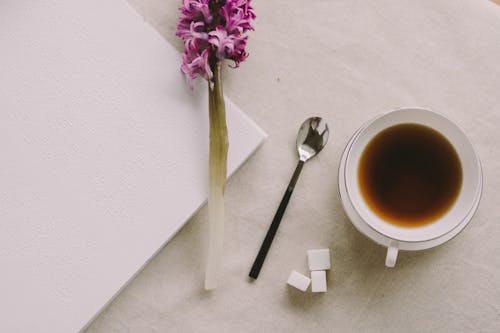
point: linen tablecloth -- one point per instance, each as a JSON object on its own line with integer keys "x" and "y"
{"x": 347, "y": 61}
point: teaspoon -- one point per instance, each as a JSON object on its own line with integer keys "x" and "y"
{"x": 312, "y": 137}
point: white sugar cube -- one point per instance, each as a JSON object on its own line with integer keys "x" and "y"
{"x": 319, "y": 260}
{"x": 299, "y": 281}
{"x": 318, "y": 279}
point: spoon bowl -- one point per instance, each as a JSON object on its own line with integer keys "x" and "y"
{"x": 312, "y": 137}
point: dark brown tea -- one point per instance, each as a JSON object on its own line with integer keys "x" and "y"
{"x": 410, "y": 175}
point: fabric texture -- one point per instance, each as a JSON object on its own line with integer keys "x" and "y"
{"x": 346, "y": 61}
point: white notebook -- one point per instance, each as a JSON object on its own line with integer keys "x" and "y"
{"x": 103, "y": 156}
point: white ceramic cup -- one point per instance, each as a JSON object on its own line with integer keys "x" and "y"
{"x": 466, "y": 201}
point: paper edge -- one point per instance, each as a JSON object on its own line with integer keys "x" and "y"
{"x": 264, "y": 137}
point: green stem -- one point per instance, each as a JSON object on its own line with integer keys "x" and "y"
{"x": 217, "y": 174}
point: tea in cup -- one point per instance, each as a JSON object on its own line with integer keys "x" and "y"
{"x": 410, "y": 179}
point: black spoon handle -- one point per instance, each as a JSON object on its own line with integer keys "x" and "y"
{"x": 266, "y": 244}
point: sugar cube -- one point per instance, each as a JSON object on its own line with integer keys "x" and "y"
{"x": 318, "y": 279}
{"x": 299, "y": 281}
{"x": 319, "y": 260}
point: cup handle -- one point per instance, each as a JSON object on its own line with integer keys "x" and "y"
{"x": 392, "y": 254}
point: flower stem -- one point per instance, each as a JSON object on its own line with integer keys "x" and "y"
{"x": 217, "y": 175}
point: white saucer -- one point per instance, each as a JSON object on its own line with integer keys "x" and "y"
{"x": 365, "y": 229}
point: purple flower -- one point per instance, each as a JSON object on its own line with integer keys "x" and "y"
{"x": 194, "y": 64}
{"x": 195, "y": 10}
{"x": 237, "y": 15}
{"x": 196, "y": 38}
{"x": 213, "y": 29}
{"x": 228, "y": 46}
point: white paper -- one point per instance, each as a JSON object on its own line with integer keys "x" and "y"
{"x": 104, "y": 156}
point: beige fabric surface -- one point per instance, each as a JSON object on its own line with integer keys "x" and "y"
{"x": 347, "y": 61}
